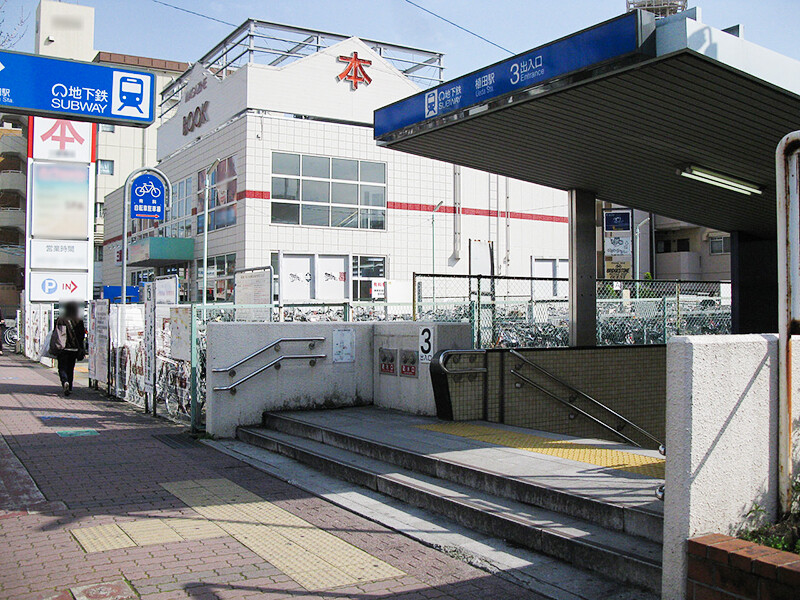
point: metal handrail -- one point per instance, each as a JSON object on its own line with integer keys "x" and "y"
{"x": 312, "y": 358}
{"x": 446, "y": 353}
{"x": 232, "y": 372}
{"x": 661, "y": 447}
{"x": 573, "y": 407}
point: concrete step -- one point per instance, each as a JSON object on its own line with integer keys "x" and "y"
{"x": 615, "y": 555}
{"x": 631, "y": 520}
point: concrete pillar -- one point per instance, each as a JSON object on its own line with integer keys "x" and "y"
{"x": 722, "y": 407}
{"x": 754, "y": 283}
{"x": 582, "y": 269}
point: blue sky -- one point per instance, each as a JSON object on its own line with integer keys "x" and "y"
{"x": 146, "y": 28}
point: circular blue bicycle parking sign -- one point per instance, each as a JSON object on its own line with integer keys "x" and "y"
{"x": 147, "y": 197}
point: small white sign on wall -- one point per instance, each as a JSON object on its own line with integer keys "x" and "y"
{"x": 427, "y": 343}
{"x": 344, "y": 346}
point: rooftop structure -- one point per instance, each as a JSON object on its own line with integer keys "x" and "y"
{"x": 276, "y": 45}
{"x": 660, "y": 8}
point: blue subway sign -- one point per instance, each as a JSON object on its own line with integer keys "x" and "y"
{"x": 610, "y": 40}
{"x": 147, "y": 198}
{"x": 50, "y": 87}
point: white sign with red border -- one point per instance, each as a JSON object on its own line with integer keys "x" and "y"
{"x": 60, "y": 139}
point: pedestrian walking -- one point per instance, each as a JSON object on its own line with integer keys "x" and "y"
{"x": 66, "y": 344}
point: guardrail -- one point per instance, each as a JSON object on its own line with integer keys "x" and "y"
{"x": 276, "y": 344}
{"x": 312, "y": 360}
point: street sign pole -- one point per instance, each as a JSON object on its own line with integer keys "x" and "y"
{"x": 205, "y": 231}
{"x": 126, "y": 199}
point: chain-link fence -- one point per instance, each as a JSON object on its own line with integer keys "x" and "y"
{"x": 508, "y": 312}
{"x": 652, "y": 311}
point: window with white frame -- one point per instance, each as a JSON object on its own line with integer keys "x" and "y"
{"x": 223, "y": 188}
{"x": 720, "y": 245}
{"x": 220, "y": 277}
{"x": 105, "y": 167}
{"x": 365, "y": 269}
{"x": 328, "y": 192}
{"x": 178, "y": 212}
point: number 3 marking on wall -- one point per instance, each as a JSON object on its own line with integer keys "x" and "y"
{"x": 426, "y": 344}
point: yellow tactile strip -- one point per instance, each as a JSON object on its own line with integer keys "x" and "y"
{"x": 601, "y": 457}
{"x": 102, "y": 537}
{"x": 145, "y": 532}
{"x": 312, "y": 557}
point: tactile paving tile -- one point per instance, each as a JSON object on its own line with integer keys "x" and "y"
{"x": 194, "y": 529}
{"x": 312, "y": 557}
{"x": 146, "y": 532}
{"x": 580, "y": 452}
{"x": 102, "y": 537}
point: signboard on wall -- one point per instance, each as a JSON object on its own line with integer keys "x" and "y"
{"x": 618, "y": 243}
{"x": 167, "y": 290}
{"x": 98, "y": 340}
{"x": 578, "y": 52}
{"x": 617, "y": 220}
{"x": 180, "y": 324}
{"x": 39, "y": 85}
{"x": 481, "y": 258}
{"x": 297, "y": 277}
{"x": 58, "y": 286}
{"x": 58, "y": 254}
{"x": 619, "y": 269}
{"x": 59, "y": 139}
{"x": 61, "y": 188}
{"x": 378, "y": 291}
{"x": 332, "y": 280}
{"x": 253, "y": 286}
{"x": 61, "y": 200}
{"x": 147, "y": 199}
{"x": 319, "y": 277}
{"x": 149, "y": 339}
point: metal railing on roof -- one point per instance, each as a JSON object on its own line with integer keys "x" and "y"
{"x": 274, "y": 44}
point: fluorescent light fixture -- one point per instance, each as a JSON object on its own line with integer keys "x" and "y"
{"x": 718, "y": 179}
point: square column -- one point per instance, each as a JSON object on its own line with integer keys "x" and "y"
{"x": 582, "y": 269}
{"x": 754, "y": 283}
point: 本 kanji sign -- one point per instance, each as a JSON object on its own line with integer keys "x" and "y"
{"x": 355, "y": 72}
{"x": 43, "y": 86}
{"x": 60, "y": 139}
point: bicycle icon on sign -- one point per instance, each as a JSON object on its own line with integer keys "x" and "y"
{"x": 147, "y": 188}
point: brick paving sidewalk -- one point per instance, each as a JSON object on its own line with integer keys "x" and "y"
{"x": 181, "y": 522}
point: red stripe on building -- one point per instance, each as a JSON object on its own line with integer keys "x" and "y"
{"x": 253, "y": 194}
{"x": 478, "y": 212}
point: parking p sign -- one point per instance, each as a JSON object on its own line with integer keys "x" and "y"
{"x": 147, "y": 197}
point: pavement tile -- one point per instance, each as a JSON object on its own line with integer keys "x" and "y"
{"x": 114, "y": 590}
{"x": 209, "y": 526}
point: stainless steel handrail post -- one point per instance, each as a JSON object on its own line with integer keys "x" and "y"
{"x": 593, "y": 400}
{"x": 311, "y": 341}
{"x": 312, "y": 358}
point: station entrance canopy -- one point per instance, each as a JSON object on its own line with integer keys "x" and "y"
{"x": 620, "y": 109}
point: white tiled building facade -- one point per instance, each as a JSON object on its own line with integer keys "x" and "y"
{"x": 300, "y": 173}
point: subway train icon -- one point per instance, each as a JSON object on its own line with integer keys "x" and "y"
{"x": 131, "y": 95}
